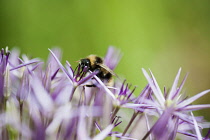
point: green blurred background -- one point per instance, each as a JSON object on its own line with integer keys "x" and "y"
{"x": 160, "y": 35}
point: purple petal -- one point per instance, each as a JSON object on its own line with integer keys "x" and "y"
{"x": 52, "y": 61}
{"x": 41, "y": 95}
{"x": 85, "y": 79}
{"x": 69, "y": 129}
{"x": 24, "y": 89}
{"x": 174, "y": 129}
{"x": 134, "y": 106}
{"x": 196, "y": 107}
{"x": 185, "y": 118}
{"x": 39, "y": 132}
{"x": 196, "y": 128}
{"x": 98, "y": 127}
{"x": 104, "y": 133}
{"x": 112, "y": 57}
{"x": 104, "y": 87}
{"x": 157, "y": 86}
{"x": 117, "y": 124}
{"x": 37, "y": 65}
{"x": 187, "y": 134}
{"x": 180, "y": 87}
{"x": 142, "y": 95}
{"x": 82, "y": 130}
{"x": 192, "y": 99}
{"x": 160, "y": 127}
{"x": 13, "y": 59}
{"x": 69, "y": 66}
{"x": 25, "y": 64}
{"x": 122, "y": 87}
{"x": 148, "y": 127}
{"x": 63, "y": 96}
{"x": 173, "y": 89}
{"x": 46, "y": 79}
{"x": 129, "y": 95}
{"x": 122, "y": 137}
{"x": 157, "y": 91}
{"x": 2, "y": 77}
{"x": 63, "y": 112}
{"x": 68, "y": 75}
{"x": 55, "y": 73}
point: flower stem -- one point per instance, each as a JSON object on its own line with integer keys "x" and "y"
{"x": 130, "y": 122}
{"x": 148, "y": 133}
{"x": 72, "y": 93}
{"x": 5, "y": 104}
{"x": 5, "y": 131}
{"x": 93, "y": 128}
{"x": 21, "y": 118}
{"x": 114, "y": 113}
{"x": 59, "y": 131}
{"x": 82, "y": 99}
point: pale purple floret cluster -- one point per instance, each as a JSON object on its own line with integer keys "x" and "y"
{"x": 51, "y": 101}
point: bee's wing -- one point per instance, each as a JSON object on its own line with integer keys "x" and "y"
{"x": 107, "y": 68}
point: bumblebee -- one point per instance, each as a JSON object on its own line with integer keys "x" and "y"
{"x": 94, "y": 62}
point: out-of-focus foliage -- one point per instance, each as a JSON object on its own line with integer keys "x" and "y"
{"x": 161, "y": 35}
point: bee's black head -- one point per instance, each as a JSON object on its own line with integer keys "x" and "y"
{"x": 85, "y": 63}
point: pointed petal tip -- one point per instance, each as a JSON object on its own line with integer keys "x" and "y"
{"x": 193, "y": 98}
{"x": 144, "y": 71}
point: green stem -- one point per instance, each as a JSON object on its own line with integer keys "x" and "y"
{"x": 91, "y": 98}
{"x": 82, "y": 99}
{"x": 5, "y": 104}
{"x": 58, "y": 133}
{"x": 130, "y": 122}
{"x": 93, "y": 128}
{"x": 5, "y": 131}
{"x": 72, "y": 93}
{"x": 148, "y": 133}
{"x": 21, "y": 118}
{"x": 114, "y": 113}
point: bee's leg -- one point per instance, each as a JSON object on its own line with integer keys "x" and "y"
{"x": 90, "y": 85}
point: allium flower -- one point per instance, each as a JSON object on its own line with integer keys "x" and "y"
{"x": 174, "y": 105}
{"x": 124, "y": 94}
{"x": 52, "y": 101}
